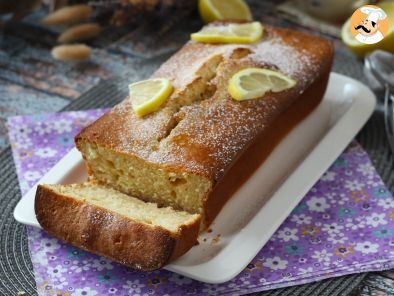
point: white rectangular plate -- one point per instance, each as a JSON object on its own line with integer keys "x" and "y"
{"x": 258, "y": 208}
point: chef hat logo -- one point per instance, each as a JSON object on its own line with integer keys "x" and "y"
{"x": 369, "y": 24}
{"x": 373, "y": 14}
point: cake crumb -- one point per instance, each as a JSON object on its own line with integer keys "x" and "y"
{"x": 216, "y": 239}
{"x": 196, "y": 243}
{"x": 204, "y": 239}
{"x": 209, "y": 230}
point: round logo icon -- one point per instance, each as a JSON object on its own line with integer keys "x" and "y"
{"x": 369, "y": 24}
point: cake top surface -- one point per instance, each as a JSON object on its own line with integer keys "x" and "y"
{"x": 201, "y": 129}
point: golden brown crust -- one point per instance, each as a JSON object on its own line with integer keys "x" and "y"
{"x": 97, "y": 230}
{"x": 261, "y": 148}
{"x": 207, "y": 137}
{"x": 211, "y": 133}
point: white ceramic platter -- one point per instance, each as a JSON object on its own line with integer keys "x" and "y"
{"x": 259, "y": 207}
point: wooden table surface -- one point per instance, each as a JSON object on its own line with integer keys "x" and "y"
{"x": 32, "y": 82}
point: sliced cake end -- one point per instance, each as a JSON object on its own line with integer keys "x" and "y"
{"x": 112, "y": 224}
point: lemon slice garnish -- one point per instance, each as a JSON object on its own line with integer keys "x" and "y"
{"x": 148, "y": 95}
{"x": 253, "y": 83}
{"x": 230, "y": 33}
{"x": 213, "y": 10}
{"x": 361, "y": 49}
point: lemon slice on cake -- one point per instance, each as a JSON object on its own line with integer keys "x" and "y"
{"x": 253, "y": 83}
{"x": 230, "y": 33}
{"x": 214, "y": 10}
{"x": 148, "y": 95}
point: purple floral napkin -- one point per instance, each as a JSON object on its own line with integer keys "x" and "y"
{"x": 343, "y": 225}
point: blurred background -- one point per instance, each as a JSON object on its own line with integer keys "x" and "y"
{"x": 38, "y": 39}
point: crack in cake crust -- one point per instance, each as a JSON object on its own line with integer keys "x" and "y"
{"x": 176, "y": 155}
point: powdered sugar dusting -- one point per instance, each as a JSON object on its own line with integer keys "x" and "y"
{"x": 213, "y": 132}
{"x": 182, "y": 67}
{"x": 290, "y": 59}
{"x": 208, "y": 134}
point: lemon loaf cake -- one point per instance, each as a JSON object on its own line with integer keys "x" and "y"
{"x": 186, "y": 154}
{"x": 109, "y": 223}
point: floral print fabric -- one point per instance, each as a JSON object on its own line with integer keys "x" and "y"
{"x": 343, "y": 225}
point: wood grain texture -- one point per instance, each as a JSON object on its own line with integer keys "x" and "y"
{"x": 19, "y": 100}
{"x": 157, "y": 37}
{"x": 29, "y": 63}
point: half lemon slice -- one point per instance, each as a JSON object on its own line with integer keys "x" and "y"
{"x": 230, "y": 33}
{"x": 214, "y": 10}
{"x": 148, "y": 95}
{"x": 253, "y": 83}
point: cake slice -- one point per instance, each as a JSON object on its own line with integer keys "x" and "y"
{"x": 107, "y": 222}
{"x": 187, "y": 154}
